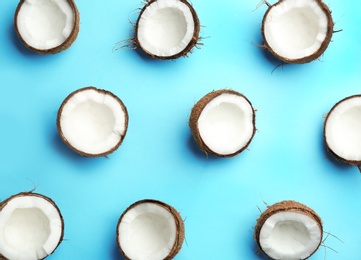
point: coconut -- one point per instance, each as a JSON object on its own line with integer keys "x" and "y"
{"x": 93, "y": 122}
{"x": 342, "y": 130}
{"x": 47, "y": 26}
{"x": 150, "y": 229}
{"x": 288, "y": 230}
{"x": 167, "y": 29}
{"x": 31, "y": 227}
{"x": 223, "y": 123}
{"x": 297, "y": 31}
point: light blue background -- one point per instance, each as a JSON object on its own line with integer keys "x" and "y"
{"x": 218, "y": 198}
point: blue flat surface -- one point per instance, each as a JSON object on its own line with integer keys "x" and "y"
{"x": 218, "y": 198}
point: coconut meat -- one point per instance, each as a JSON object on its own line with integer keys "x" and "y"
{"x": 92, "y": 121}
{"x": 30, "y": 228}
{"x": 147, "y": 231}
{"x": 165, "y": 28}
{"x": 45, "y": 24}
{"x": 290, "y": 235}
{"x": 343, "y": 129}
{"x": 296, "y": 29}
{"x": 226, "y": 123}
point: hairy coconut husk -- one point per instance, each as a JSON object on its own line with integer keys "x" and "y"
{"x": 286, "y": 206}
{"x": 66, "y": 44}
{"x": 27, "y": 194}
{"x": 186, "y": 50}
{"x": 196, "y": 112}
{"x": 313, "y": 56}
{"x": 65, "y": 139}
{"x": 339, "y": 158}
{"x": 178, "y": 222}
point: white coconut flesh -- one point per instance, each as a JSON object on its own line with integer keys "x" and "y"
{"x": 93, "y": 121}
{"x": 165, "y": 28}
{"x": 30, "y": 228}
{"x": 290, "y": 235}
{"x": 147, "y": 232}
{"x": 296, "y": 29}
{"x": 226, "y": 123}
{"x": 343, "y": 129}
{"x": 45, "y": 24}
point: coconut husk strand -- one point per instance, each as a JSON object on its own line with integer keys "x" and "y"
{"x": 149, "y": 208}
{"x": 246, "y": 114}
{"x": 341, "y": 131}
{"x": 156, "y": 48}
{"x": 303, "y": 212}
{"x": 283, "y": 46}
{"x": 92, "y": 122}
{"x": 29, "y": 36}
{"x": 32, "y": 209}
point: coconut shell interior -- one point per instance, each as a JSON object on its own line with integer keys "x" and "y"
{"x": 83, "y": 153}
{"x": 336, "y": 156}
{"x": 27, "y": 194}
{"x": 187, "y": 49}
{"x": 178, "y": 222}
{"x": 286, "y": 206}
{"x": 196, "y": 112}
{"x": 65, "y": 45}
{"x": 311, "y": 57}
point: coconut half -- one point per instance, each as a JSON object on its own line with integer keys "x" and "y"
{"x": 223, "y": 123}
{"x": 289, "y": 230}
{"x": 167, "y": 29}
{"x": 297, "y": 31}
{"x": 342, "y": 130}
{"x": 150, "y": 230}
{"x": 31, "y": 227}
{"x": 46, "y": 26}
{"x": 93, "y": 122}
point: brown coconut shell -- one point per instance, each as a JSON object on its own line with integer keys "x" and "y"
{"x": 178, "y": 222}
{"x": 311, "y": 57}
{"x": 65, "y": 45}
{"x": 339, "y": 158}
{"x": 28, "y": 194}
{"x": 63, "y": 137}
{"x": 196, "y": 112}
{"x": 190, "y": 45}
{"x": 286, "y": 206}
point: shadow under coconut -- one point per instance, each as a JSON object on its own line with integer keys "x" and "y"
{"x": 19, "y": 45}
{"x": 265, "y": 54}
{"x": 327, "y": 155}
{"x": 192, "y": 145}
{"x": 116, "y": 255}
{"x": 146, "y": 58}
{"x": 72, "y": 155}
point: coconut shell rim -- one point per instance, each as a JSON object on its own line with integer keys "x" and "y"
{"x": 180, "y": 230}
{"x": 329, "y": 149}
{"x": 48, "y": 199}
{"x": 287, "y": 206}
{"x": 83, "y": 153}
{"x": 65, "y": 45}
{"x": 317, "y": 53}
{"x": 193, "y": 42}
{"x": 197, "y": 111}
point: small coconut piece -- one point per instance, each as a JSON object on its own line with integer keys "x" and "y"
{"x": 223, "y": 123}
{"x": 150, "y": 229}
{"x": 288, "y": 230}
{"x": 46, "y": 26}
{"x": 93, "y": 122}
{"x": 167, "y": 29}
{"x": 297, "y": 31}
{"x": 342, "y": 130}
{"x": 31, "y": 227}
